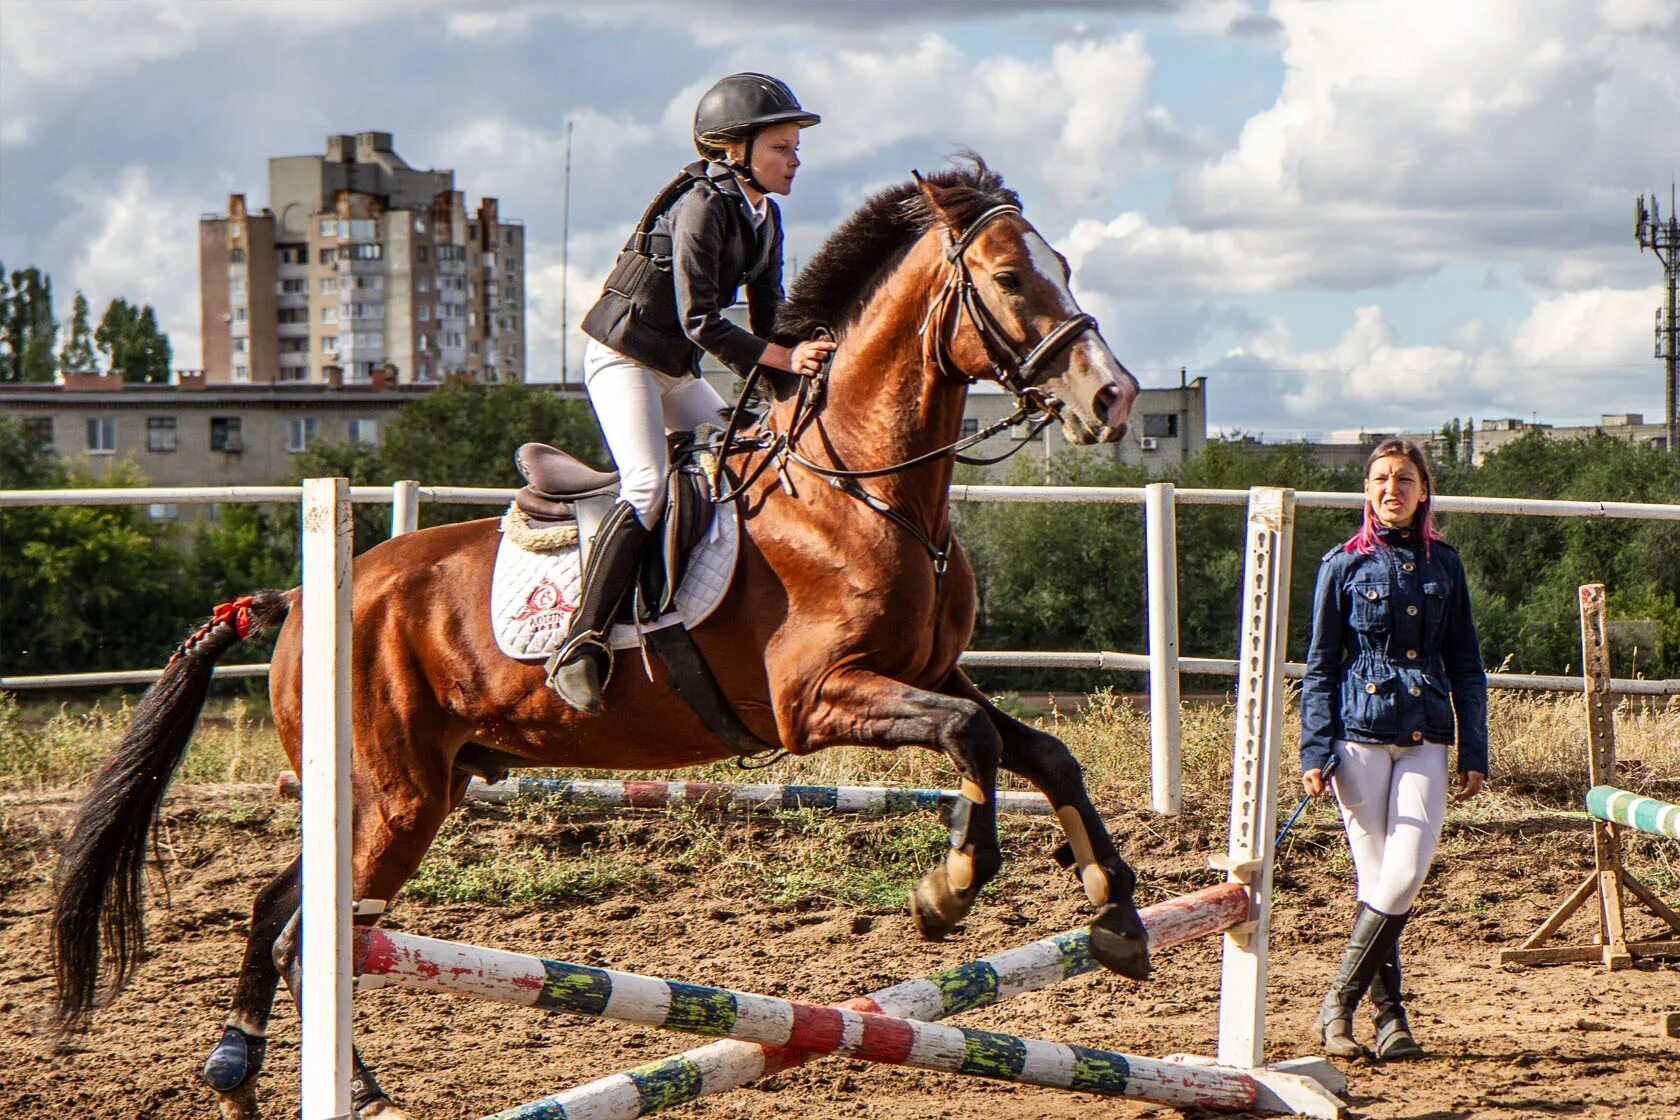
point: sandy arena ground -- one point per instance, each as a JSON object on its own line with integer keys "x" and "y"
{"x": 1504, "y": 1043}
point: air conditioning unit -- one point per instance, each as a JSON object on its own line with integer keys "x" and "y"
{"x": 234, "y": 445}
{"x": 1149, "y": 443}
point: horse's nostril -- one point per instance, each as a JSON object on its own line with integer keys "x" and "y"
{"x": 1103, "y": 402}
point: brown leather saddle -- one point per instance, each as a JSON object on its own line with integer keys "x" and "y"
{"x": 561, "y": 488}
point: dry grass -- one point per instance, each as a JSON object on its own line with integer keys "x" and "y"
{"x": 1538, "y": 754}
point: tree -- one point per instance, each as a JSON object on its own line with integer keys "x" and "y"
{"x": 77, "y": 355}
{"x": 129, "y": 338}
{"x": 28, "y": 329}
{"x": 151, "y": 350}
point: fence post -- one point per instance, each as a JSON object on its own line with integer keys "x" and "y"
{"x": 1161, "y": 537}
{"x": 405, "y": 507}
{"x": 1254, "y": 771}
{"x": 325, "y": 1061}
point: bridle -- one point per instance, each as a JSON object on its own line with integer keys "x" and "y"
{"x": 1013, "y": 370}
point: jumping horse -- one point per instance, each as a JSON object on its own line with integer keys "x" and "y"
{"x": 849, "y": 607}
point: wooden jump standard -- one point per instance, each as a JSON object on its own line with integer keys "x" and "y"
{"x": 1608, "y": 878}
{"x": 877, "y": 800}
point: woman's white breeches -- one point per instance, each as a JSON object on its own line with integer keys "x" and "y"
{"x": 636, "y": 407}
{"x": 1393, "y": 801}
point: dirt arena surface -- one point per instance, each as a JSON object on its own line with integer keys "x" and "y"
{"x": 1504, "y": 1044}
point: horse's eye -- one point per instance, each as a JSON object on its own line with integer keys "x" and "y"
{"x": 1008, "y": 281}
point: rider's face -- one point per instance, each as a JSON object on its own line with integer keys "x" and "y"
{"x": 775, "y": 155}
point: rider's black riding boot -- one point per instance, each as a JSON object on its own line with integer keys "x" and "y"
{"x": 1394, "y": 1034}
{"x": 579, "y": 669}
{"x": 1373, "y": 938}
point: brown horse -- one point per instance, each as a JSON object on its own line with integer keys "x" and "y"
{"x": 848, "y": 610}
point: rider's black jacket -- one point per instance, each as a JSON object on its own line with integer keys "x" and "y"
{"x": 704, "y": 248}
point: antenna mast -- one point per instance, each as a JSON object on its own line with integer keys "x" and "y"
{"x": 1663, "y": 239}
{"x": 565, "y": 253}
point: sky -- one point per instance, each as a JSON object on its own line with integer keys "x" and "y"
{"x": 1346, "y": 214}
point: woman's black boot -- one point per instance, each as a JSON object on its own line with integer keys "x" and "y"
{"x": 580, "y": 668}
{"x": 1394, "y": 1042}
{"x": 1373, "y": 938}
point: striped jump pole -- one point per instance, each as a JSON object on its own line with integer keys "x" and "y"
{"x": 721, "y": 1066}
{"x": 440, "y": 966}
{"x": 876, "y": 800}
{"x": 1644, "y": 814}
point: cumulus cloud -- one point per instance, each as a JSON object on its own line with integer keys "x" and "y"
{"x": 127, "y": 252}
{"x": 1571, "y": 357}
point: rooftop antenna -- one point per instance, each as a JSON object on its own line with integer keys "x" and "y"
{"x": 565, "y": 252}
{"x": 1663, "y": 239}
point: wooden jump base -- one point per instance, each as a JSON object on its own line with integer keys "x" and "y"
{"x": 875, "y": 800}
{"x": 721, "y": 1066}
{"x": 1643, "y": 814}
{"x": 384, "y": 958}
{"x": 1607, "y": 806}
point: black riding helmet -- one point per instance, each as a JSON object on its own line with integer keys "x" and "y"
{"x": 738, "y": 107}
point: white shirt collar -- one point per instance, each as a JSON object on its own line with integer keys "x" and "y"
{"x": 761, "y": 211}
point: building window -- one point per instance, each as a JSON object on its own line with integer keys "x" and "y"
{"x": 242, "y": 373}
{"x": 363, "y": 228}
{"x": 329, "y": 344}
{"x": 162, "y": 511}
{"x": 422, "y": 343}
{"x": 420, "y": 254}
{"x": 329, "y": 227}
{"x": 160, "y": 433}
{"x": 236, "y": 256}
{"x": 239, "y": 345}
{"x": 366, "y": 251}
{"x": 299, "y": 433}
{"x": 507, "y": 237}
{"x": 292, "y": 315}
{"x": 364, "y": 431}
{"x": 225, "y": 434}
{"x": 38, "y": 433}
{"x": 1160, "y": 425}
{"x": 329, "y": 285}
{"x": 472, "y": 231}
{"x": 329, "y": 314}
{"x": 299, "y": 286}
{"x": 421, "y": 284}
{"x": 451, "y": 253}
{"x": 329, "y": 256}
{"x": 424, "y": 311}
{"x": 102, "y": 437}
{"x": 419, "y": 225}
{"x": 239, "y": 314}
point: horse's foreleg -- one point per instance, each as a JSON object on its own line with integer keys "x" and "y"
{"x": 1118, "y": 939}
{"x": 872, "y": 710}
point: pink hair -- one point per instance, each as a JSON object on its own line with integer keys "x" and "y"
{"x": 1366, "y": 540}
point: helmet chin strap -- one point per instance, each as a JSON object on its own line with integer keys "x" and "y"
{"x": 743, "y": 168}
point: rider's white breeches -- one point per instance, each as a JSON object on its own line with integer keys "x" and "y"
{"x": 1393, "y": 801}
{"x": 636, "y": 407}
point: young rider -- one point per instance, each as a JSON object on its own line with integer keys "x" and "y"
{"x": 661, "y": 306}
{"x": 1393, "y": 664}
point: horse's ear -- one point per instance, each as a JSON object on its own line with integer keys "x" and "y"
{"x": 933, "y": 193}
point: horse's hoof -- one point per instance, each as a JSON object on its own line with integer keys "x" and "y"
{"x": 937, "y": 908}
{"x": 240, "y": 1103}
{"x": 1119, "y": 942}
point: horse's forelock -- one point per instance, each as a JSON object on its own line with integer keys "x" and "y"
{"x": 832, "y": 288}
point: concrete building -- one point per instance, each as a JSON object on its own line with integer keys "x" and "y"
{"x": 195, "y": 433}
{"x": 360, "y": 263}
{"x": 1495, "y": 433}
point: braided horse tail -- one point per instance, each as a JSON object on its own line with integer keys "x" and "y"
{"x": 100, "y": 884}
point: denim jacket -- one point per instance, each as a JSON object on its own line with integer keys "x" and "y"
{"x": 1394, "y": 653}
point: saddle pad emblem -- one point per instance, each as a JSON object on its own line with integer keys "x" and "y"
{"x": 545, "y": 607}
{"x": 532, "y": 593}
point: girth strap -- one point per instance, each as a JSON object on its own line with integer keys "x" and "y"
{"x": 693, "y": 680}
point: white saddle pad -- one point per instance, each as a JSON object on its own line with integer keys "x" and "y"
{"x": 533, "y": 593}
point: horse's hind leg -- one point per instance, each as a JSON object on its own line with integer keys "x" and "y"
{"x": 390, "y": 840}
{"x": 232, "y": 1067}
{"x": 1118, "y": 940}
{"x": 875, "y": 711}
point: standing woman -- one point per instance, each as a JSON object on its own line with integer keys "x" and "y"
{"x": 711, "y": 231}
{"x": 1393, "y": 659}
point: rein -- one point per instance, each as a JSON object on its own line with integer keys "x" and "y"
{"x": 1015, "y": 372}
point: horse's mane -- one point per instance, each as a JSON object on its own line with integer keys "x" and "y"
{"x": 834, "y": 285}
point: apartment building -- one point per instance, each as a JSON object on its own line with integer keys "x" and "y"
{"x": 358, "y": 264}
